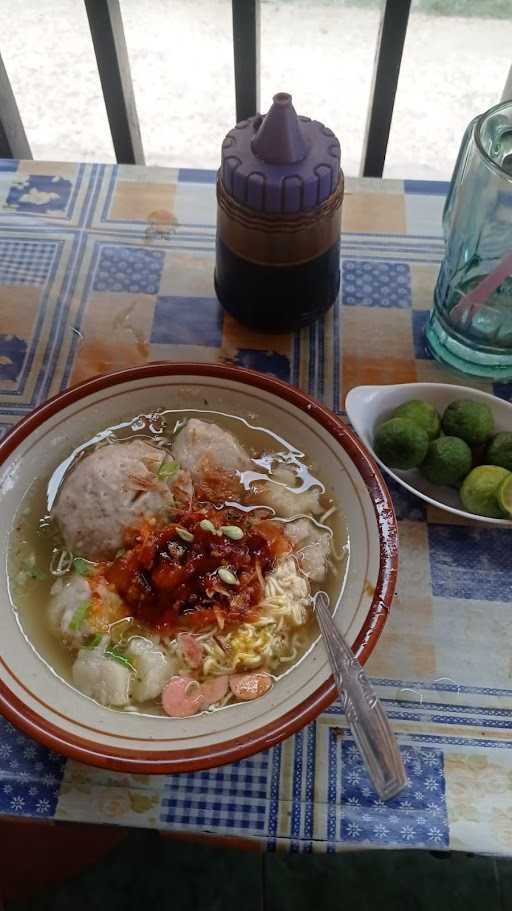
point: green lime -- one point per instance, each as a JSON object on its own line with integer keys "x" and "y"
{"x": 499, "y": 451}
{"x": 401, "y": 443}
{"x": 473, "y": 422}
{"x": 448, "y": 462}
{"x": 423, "y": 414}
{"x": 505, "y": 496}
{"x": 479, "y": 492}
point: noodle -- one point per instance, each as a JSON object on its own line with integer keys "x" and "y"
{"x": 327, "y": 515}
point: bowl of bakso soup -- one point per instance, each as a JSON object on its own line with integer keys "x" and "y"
{"x": 164, "y": 530}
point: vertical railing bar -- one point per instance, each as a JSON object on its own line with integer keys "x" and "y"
{"x": 246, "y": 50}
{"x": 390, "y": 45}
{"x": 107, "y": 33}
{"x": 13, "y": 139}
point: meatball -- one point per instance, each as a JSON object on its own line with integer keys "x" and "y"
{"x": 111, "y": 489}
{"x": 202, "y": 444}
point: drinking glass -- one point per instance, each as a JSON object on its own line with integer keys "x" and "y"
{"x": 470, "y": 326}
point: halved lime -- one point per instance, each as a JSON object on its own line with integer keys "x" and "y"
{"x": 505, "y": 496}
{"x": 479, "y": 491}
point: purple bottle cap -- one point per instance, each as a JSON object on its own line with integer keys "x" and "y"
{"x": 280, "y": 163}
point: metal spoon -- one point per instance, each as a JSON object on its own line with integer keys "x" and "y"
{"x": 368, "y": 721}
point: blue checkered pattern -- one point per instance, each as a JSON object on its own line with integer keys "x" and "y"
{"x": 25, "y": 262}
{"x": 233, "y": 797}
{"x": 30, "y": 775}
{"x": 370, "y": 283}
{"x": 417, "y": 816}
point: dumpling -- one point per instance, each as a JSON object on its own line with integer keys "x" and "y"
{"x": 278, "y": 494}
{"x": 102, "y": 678}
{"x": 312, "y": 547}
{"x": 202, "y": 444}
{"x": 80, "y": 607}
{"x": 66, "y": 596}
{"x": 110, "y": 490}
{"x": 153, "y": 668}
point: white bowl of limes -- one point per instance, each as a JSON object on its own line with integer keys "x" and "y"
{"x": 456, "y": 456}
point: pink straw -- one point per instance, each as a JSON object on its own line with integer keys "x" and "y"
{"x": 474, "y": 300}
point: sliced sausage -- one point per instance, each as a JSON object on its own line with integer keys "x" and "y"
{"x": 182, "y": 697}
{"x": 214, "y": 689}
{"x": 190, "y": 649}
{"x": 250, "y": 686}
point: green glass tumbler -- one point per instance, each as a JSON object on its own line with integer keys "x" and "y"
{"x": 470, "y": 326}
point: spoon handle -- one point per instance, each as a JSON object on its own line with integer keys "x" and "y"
{"x": 368, "y": 721}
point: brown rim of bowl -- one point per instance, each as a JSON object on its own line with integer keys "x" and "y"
{"x": 167, "y": 762}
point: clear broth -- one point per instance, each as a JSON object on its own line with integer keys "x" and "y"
{"x": 35, "y": 535}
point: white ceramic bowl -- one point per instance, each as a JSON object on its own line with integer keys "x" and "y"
{"x": 368, "y": 406}
{"x": 52, "y": 711}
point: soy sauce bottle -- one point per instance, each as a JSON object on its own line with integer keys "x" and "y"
{"x": 279, "y": 196}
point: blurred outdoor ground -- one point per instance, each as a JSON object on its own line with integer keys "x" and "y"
{"x": 456, "y": 60}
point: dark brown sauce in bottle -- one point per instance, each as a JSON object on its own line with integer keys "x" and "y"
{"x": 273, "y": 299}
{"x": 279, "y": 194}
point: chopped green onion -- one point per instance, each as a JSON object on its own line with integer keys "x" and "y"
{"x": 167, "y": 470}
{"x": 206, "y": 525}
{"x": 227, "y": 576}
{"x": 94, "y": 641}
{"x": 83, "y": 567}
{"x": 185, "y": 535}
{"x": 79, "y": 616}
{"x": 121, "y": 659}
{"x": 232, "y": 531}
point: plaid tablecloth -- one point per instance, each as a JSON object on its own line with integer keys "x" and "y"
{"x": 102, "y": 267}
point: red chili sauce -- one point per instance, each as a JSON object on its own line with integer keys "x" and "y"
{"x": 171, "y": 583}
